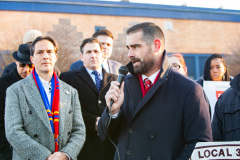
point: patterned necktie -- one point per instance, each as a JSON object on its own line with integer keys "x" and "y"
{"x": 97, "y": 80}
{"x": 147, "y": 83}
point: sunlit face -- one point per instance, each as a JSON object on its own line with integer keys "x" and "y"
{"x": 217, "y": 69}
{"x": 176, "y": 65}
{"x": 107, "y": 44}
{"x": 24, "y": 69}
{"x": 44, "y": 57}
{"x": 92, "y": 56}
{"x": 141, "y": 55}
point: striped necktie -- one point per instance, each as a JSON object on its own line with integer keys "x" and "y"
{"x": 147, "y": 83}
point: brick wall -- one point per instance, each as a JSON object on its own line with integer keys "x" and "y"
{"x": 186, "y": 36}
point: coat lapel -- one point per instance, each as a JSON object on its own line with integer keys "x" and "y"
{"x": 134, "y": 88}
{"x": 35, "y": 101}
{"x": 162, "y": 78}
{"x": 106, "y": 78}
{"x": 64, "y": 106}
{"x": 110, "y": 66}
{"x": 83, "y": 74}
{"x": 148, "y": 96}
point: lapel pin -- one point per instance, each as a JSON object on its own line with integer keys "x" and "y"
{"x": 67, "y": 92}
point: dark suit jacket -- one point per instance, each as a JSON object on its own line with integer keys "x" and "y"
{"x": 5, "y": 82}
{"x": 113, "y": 66}
{"x": 164, "y": 124}
{"x": 93, "y": 104}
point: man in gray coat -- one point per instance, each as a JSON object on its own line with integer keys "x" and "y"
{"x": 43, "y": 118}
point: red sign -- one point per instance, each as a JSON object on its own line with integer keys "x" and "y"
{"x": 219, "y": 93}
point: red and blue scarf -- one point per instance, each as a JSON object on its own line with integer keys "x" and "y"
{"x": 53, "y": 109}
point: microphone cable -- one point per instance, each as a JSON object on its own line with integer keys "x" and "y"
{"x": 110, "y": 118}
{"x": 123, "y": 70}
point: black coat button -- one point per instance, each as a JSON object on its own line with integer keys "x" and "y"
{"x": 69, "y": 133}
{"x": 35, "y": 135}
{"x": 70, "y": 112}
{"x": 129, "y": 152}
{"x": 149, "y": 158}
{"x": 30, "y": 112}
{"x": 152, "y": 135}
{"x": 130, "y": 131}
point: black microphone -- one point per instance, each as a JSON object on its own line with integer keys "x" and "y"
{"x": 123, "y": 70}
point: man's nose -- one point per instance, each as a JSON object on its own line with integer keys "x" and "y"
{"x": 45, "y": 54}
{"x": 25, "y": 69}
{"x": 92, "y": 54}
{"x": 130, "y": 53}
{"x": 104, "y": 46}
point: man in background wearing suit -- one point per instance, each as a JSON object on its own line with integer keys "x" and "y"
{"x": 105, "y": 38}
{"x": 92, "y": 83}
{"x": 43, "y": 118}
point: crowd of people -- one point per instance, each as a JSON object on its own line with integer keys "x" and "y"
{"x": 158, "y": 112}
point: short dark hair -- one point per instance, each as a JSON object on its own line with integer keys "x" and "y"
{"x": 150, "y": 32}
{"x": 89, "y": 40}
{"x": 102, "y": 32}
{"x": 40, "y": 38}
{"x": 207, "y": 67}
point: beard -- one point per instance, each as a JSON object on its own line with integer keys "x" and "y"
{"x": 146, "y": 63}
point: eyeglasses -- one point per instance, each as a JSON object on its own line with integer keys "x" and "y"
{"x": 22, "y": 65}
{"x": 177, "y": 66}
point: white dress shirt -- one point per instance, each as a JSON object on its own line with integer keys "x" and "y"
{"x": 93, "y": 76}
{"x": 48, "y": 88}
{"x": 105, "y": 66}
{"x": 151, "y": 78}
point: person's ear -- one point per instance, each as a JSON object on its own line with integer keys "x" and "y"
{"x": 31, "y": 58}
{"x": 157, "y": 44}
{"x": 185, "y": 70}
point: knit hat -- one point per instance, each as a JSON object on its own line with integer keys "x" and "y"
{"x": 31, "y": 35}
{"x": 23, "y": 54}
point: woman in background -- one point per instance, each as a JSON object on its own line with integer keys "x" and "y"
{"x": 215, "y": 69}
{"x": 177, "y": 62}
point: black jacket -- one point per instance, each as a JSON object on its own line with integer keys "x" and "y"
{"x": 5, "y": 82}
{"x": 226, "y": 119}
{"x": 164, "y": 124}
{"x": 9, "y": 68}
{"x": 92, "y": 104}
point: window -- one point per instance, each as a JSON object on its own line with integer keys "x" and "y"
{"x": 99, "y": 27}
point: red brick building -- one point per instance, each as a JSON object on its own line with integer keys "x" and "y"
{"x": 195, "y": 32}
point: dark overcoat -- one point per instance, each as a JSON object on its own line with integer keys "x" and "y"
{"x": 5, "y": 82}
{"x": 164, "y": 124}
{"x": 93, "y": 104}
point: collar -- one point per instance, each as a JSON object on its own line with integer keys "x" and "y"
{"x": 235, "y": 84}
{"x": 105, "y": 65}
{"x": 99, "y": 71}
{"x": 152, "y": 77}
{"x": 163, "y": 71}
{"x": 45, "y": 83}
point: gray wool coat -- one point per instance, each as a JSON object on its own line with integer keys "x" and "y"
{"x": 27, "y": 126}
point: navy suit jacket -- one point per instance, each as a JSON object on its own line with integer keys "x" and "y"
{"x": 93, "y": 104}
